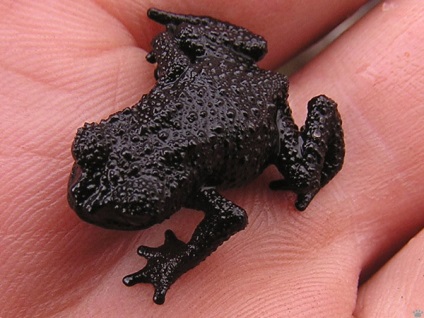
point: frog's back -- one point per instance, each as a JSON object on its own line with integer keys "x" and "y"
{"x": 219, "y": 119}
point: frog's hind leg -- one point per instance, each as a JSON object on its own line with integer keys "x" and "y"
{"x": 311, "y": 157}
{"x": 166, "y": 263}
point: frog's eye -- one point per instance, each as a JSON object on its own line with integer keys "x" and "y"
{"x": 90, "y": 148}
{"x": 252, "y": 45}
{"x": 197, "y": 33}
{"x": 191, "y": 39}
{"x": 214, "y": 34}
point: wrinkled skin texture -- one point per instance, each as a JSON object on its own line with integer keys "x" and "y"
{"x": 214, "y": 120}
{"x": 89, "y": 62}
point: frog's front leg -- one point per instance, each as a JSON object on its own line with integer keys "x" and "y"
{"x": 311, "y": 157}
{"x": 168, "y": 262}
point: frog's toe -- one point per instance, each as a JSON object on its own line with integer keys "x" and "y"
{"x": 135, "y": 278}
{"x": 159, "y": 296}
{"x": 303, "y": 200}
{"x": 305, "y": 194}
{"x": 142, "y": 276}
{"x": 148, "y": 252}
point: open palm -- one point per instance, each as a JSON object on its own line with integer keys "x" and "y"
{"x": 62, "y": 64}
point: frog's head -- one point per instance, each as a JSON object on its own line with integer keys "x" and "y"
{"x": 199, "y": 36}
{"x": 111, "y": 184}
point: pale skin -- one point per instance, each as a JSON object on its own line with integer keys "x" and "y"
{"x": 62, "y": 65}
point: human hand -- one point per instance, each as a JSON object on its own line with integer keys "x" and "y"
{"x": 63, "y": 64}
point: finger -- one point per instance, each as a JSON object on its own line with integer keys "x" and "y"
{"x": 377, "y": 83}
{"x": 77, "y": 53}
{"x": 397, "y": 289}
{"x": 55, "y": 65}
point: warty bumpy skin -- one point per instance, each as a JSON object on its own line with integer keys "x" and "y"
{"x": 214, "y": 120}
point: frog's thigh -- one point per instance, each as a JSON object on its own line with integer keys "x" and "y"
{"x": 323, "y": 137}
{"x": 310, "y": 158}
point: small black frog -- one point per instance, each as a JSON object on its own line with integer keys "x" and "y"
{"x": 214, "y": 120}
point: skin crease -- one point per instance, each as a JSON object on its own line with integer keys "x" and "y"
{"x": 62, "y": 65}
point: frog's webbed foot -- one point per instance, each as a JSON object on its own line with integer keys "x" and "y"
{"x": 166, "y": 263}
{"x": 311, "y": 157}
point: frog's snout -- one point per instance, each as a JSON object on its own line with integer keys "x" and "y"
{"x": 132, "y": 207}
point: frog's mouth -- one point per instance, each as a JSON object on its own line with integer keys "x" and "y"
{"x": 109, "y": 217}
